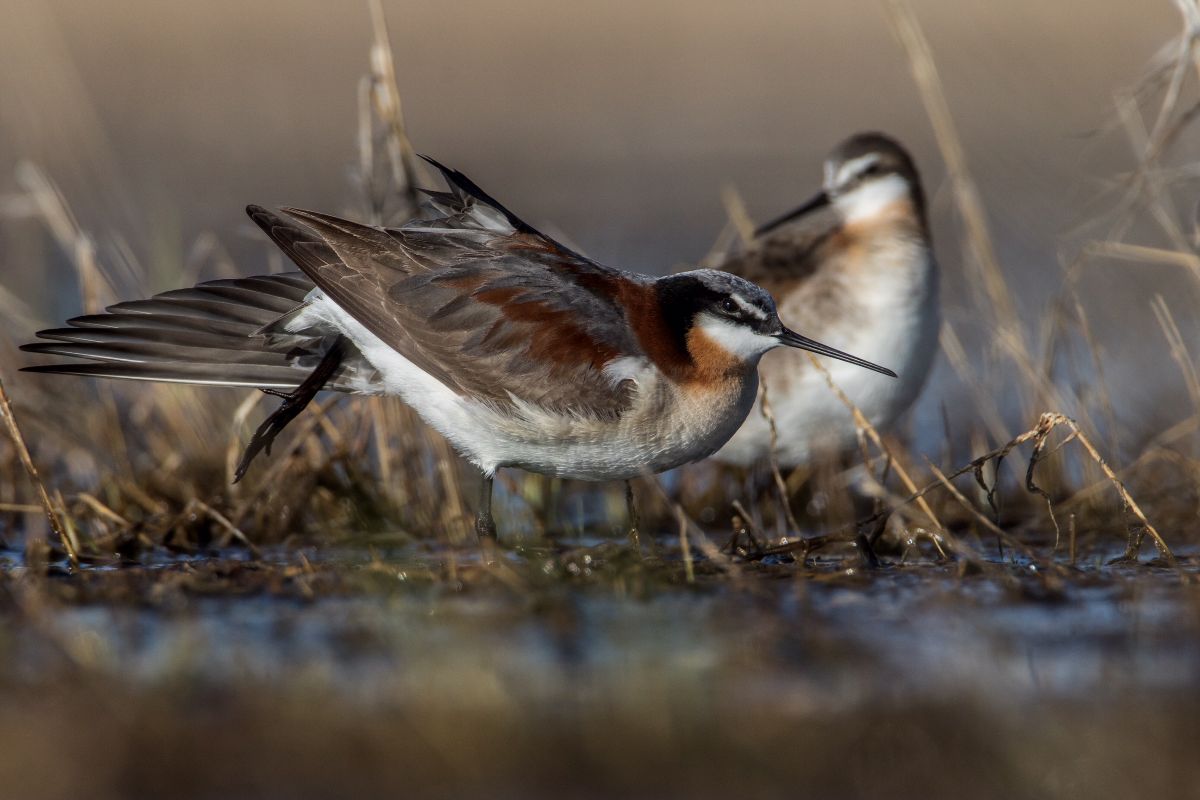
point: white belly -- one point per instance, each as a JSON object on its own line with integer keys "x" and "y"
{"x": 896, "y": 324}
{"x": 664, "y": 428}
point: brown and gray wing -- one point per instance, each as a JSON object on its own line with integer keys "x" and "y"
{"x": 788, "y": 252}
{"x": 496, "y": 314}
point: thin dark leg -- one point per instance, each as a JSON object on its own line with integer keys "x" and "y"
{"x": 878, "y": 528}
{"x": 868, "y": 536}
{"x": 485, "y": 526}
{"x": 866, "y": 552}
{"x": 631, "y": 507}
{"x": 293, "y": 403}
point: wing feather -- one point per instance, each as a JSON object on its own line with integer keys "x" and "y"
{"x": 474, "y": 296}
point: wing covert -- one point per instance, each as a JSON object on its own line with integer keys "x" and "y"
{"x": 473, "y": 296}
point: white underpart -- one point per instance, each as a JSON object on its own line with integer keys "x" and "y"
{"x": 889, "y": 314}
{"x": 870, "y": 198}
{"x": 738, "y": 339}
{"x": 892, "y": 318}
{"x": 664, "y": 427}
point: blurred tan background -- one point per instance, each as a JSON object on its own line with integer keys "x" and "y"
{"x": 616, "y": 122}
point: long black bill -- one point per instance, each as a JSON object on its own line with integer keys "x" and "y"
{"x": 793, "y": 339}
{"x": 819, "y": 200}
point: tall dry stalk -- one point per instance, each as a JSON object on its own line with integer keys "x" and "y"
{"x": 996, "y": 301}
{"x": 52, "y": 514}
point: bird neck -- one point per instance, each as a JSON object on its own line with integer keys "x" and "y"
{"x": 903, "y": 216}
{"x": 711, "y": 362}
{"x": 663, "y": 320}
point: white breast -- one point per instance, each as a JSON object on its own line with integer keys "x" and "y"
{"x": 664, "y": 428}
{"x": 891, "y": 319}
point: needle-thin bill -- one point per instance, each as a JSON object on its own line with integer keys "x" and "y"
{"x": 793, "y": 339}
{"x": 819, "y": 200}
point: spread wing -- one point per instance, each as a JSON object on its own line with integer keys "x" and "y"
{"x": 473, "y": 296}
{"x": 787, "y": 249}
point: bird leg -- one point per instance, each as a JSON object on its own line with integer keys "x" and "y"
{"x": 485, "y": 526}
{"x": 866, "y": 552}
{"x": 867, "y": 538}
{"x": 634, "y": 520}
{"x": 293, "y": 403}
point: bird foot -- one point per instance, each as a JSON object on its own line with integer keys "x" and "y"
{"x": 485, "y": 528}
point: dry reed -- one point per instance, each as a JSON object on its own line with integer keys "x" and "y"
{"x": 141, "y": 467}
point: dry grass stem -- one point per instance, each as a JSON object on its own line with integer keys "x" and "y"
{"x": 984, "y": 403}
{"x": 753, "y": 532}
{"x": 864, "y": 425}
{"x": 960, "y": 548}
{"x": 1179, "y": 351}
{"x": 52, "y": 516}
{"x": 406, "y": 174}
{"x": 773, "y": 458}
{"x": 735, "y": 210}
{"x": 135, "y": 458}
{"x": 104, "y": 511}
{"x": 999, "y": 299}
{"x": 685, "y": 547}
{"x": 1143, "y": 254}
{"x": 1163, "y": 550}
{"x": 227, "y": 526}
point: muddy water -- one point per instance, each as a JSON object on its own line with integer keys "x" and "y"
{"x": 537, "y": 676}
{"x": 903, "y": 632}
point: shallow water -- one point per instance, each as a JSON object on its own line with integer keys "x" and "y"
{"x": 558, "y": 662}
{"x": 832, "y": 636}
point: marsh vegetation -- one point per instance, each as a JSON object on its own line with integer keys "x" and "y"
{"x": 327, "y": 627}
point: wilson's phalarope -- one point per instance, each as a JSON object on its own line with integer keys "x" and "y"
{"x": 518, "y": 350}
{"x": 856, "y": 263}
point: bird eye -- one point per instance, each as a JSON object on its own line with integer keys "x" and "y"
{"x": 728, "y": 306}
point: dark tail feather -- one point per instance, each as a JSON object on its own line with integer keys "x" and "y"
{"x": 464, "y": 186}
{"x": 212, "y": 334}
{"x": 254, "y": 377}
{"x": 220, "y": 333}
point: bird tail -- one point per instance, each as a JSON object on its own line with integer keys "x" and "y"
{"x": 218, "y": 333}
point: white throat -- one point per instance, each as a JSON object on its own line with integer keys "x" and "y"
{"x": 737, "y": 339}
{"x": 871, "y": 198}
